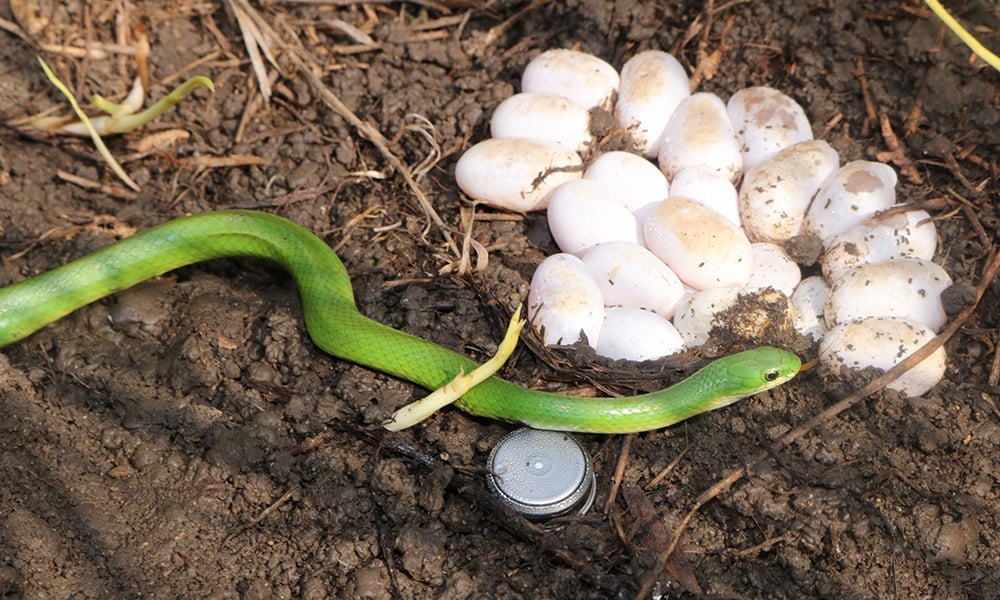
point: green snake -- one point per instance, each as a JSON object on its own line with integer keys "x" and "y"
{"x": 338, "y": 328}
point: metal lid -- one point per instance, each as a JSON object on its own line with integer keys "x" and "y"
{"x": 542, "y": 474}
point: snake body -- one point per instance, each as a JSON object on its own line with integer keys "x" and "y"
{"x": 338, "y": 328}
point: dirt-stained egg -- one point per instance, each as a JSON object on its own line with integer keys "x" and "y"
{"x": 544, "y": 117}
{"x": 696, "y": 314}
{"x": 653, "y": 83}
{"x": 581, "y": 77}
{"x": 809, "y": 298}
{"x": 749, "y": 314}
{"x": 766, "y": 122}
{"x": 699, "y": 134}
{"x": 584, "y": 213}
{"x": 516, "y": 174}
{"x": 887, "y": 235}
{"x": 776, "y": 193}
{"x": 565, "y": 303}
{"x": 883, "y": 343}
{"x": 708, "y": 187}
{"x": 908, "y": 288}
{"x": 701, "y": 246}
{"x": 856, "y": 190}
{"x": 773, "y": 268}
{"x": 631, "y": 276}
{"x": 632, "y": 179}
{"x": 636, "y": 334}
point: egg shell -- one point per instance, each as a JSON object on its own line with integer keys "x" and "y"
{"x": 808, "y": 299}
{"x": 701, "y": 246}
{"x": 776, "y": 193}
{"x": 883, "y": 343}
{"x": 583, "y": 213}
{"x": 636, "y": 334}
{"x": 708, "y": 188}
{"x": 766, "y": 122}
{"x": 631, "y": 276}
{"x": 653, "y": 84}
{"x": 907, "y": 288}
{"x": 581, "y": 77}
{"x": 633, "y": 180}
{"x": 564, "y": 302}
{"x": 853, "y": 192}
{"x": 544, "y": 117}
{"x": 887, "y": 235}
{"x": 700, "y": 134}
{"x": 773, "y": 268}
{"x": 516, "y": 173}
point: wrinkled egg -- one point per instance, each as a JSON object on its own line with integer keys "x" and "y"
{"x": 883, "y": 343}
{"x": 710, "y": 189}
{"x": 776, "y": 193}
{"x": 908, "y": 288}
{"x": 772, "y": 267}
{"x": 853, "y": 192}
{"x": 888, "y": 235}
{"x": 544, "y": 117}
{"x": 581, "y": 77}
{"x": 636, "y": 334}
{"x": 766, "y": 122}
{"x": 516, "y": 174}
{"x": 631, "y": 276}
{"x": 701, "y": 246}
{"x": 652, "y": 85}
{"x": 699, "y": 134}
{"x": 583, "y": 213}
{"x": 564, "y": 302}
{"x": 635, "y": 181}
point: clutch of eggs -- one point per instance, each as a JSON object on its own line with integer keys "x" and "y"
{"x": 659, "y": 244}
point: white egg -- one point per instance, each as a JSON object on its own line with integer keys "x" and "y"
{"x": 636, "y": 334}
{"x": 701, "y": 246}
{"x": 773, "y": 268}
{"x": 699, "y": 134}
{"x": 634, "y": 180}
{"x": 855, "y": 191}
{"x": 581, "y": 77}
{"x": 516, "y": 173}
{"x": 544, "y": 117}
{"x": 776, "y": 193}
{"x": 908, "y": 288}
{"x": 808, "y": 299}
{"x": 631, "y": 276}
{"x": 766, "y": 122}
{"x": 653, "y": 83}
{"x": 583, "y": 213}
{"x": 883, "y": 343}
{"x": 709, "y": 188}
{"x": 564, "y": 302}
{"x": 744, "y": 313}
{"x": 888, "y": 235}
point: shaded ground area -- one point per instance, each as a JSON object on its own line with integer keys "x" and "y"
{"x": 184, "y": 439}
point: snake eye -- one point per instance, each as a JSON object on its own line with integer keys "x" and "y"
{"x": 771, "y": 375}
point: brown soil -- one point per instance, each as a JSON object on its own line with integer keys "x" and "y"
{"x": 184, "y": 439}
